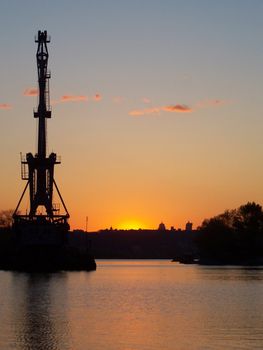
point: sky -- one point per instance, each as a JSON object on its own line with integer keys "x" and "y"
{"x": 156, "y": 107}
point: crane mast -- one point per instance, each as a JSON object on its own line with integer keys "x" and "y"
{"x": 38, "y": 169}
{"x": 43, "y": 110}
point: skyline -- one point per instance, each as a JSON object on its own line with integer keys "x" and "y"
{"x": 156, "y": 107}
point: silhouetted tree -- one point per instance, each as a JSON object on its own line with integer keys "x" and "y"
{"x": 234, "y": 236}
{"x": 6, "y": 217}
{"x": 215, "y": 240}
{"x": 6, "y": 233}
{"x": 249, "y": 217}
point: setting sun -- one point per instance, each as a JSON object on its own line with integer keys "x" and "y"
{"x": 131, "y": 225}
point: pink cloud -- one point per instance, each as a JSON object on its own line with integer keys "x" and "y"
{"x": 117, "y": 99}
{"x": 210, "y": 103}
{"x": 30, "y": 92}
{"x": 146, "y": 100}
{"x": 5, "y": 106}
{"x": 177, "y": 108}
{"x": 73, "y": 98}
{"x": 144, "y": 111}
{"x": 97, "y": 97}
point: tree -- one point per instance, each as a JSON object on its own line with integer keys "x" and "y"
{"x": 215, "y": 239}
{"x": 249, "y": 217}
{"x": 6, "y": 218}
{"x": 235, "y": 235}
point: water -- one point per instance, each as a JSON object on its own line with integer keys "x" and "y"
{"x": 133, "y": 305}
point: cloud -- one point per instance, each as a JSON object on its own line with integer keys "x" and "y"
{"x": 210, "y": 103}
{"x": 97, "y": 97}
{"x": 70, "y": 98}
{"x": 5, "y": 106}
{"x": 145, "y": 111}
{"x": 117, "y": 99}
{"x": 30, "y": 92}
{"x": 177, "y": 108}
{"x": 73, "y": 98}
{"x": 77, "y": 98}
{"x": 146, "y": 100}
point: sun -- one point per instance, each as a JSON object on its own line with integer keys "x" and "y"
{"x": 131, "y": 225}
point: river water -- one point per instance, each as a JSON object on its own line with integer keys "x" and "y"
{"x": 133, "y": 305}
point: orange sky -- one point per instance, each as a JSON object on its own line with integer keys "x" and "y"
{"x": 156, "y": 108}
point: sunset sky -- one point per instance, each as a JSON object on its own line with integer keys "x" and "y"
{"x": 156, "y": 106}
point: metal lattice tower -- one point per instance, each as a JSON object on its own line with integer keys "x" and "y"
{"x": 38, "y": 169}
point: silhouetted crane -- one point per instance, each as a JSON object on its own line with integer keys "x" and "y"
{"x": 38, "y": 170}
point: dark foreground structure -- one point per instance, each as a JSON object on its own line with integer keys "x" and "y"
{"x": 44, "y": 258}
{"x": 39, "y": 240}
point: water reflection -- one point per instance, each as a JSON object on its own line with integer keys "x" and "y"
{"x": 40, "y": 315}
{"x": 237, "y": 273}
{"x": 137, "y": 305}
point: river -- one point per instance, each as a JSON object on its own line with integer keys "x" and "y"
{"x": 133, "y": 305}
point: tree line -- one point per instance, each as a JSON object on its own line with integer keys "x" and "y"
{"x": 235, "y": 236}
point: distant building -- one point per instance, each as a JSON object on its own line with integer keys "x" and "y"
{"x": 189, "y": 226}
{"x": 162, "y": 227}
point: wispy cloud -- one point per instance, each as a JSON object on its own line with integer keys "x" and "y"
{"x": 146, "y": 100}
{"x": 97, "y": 97}
{"x": 210, "y": 103}
{"x": 145, "y": 111}
{"x": 77, "y": 98}
{"x": 5, "y": 106}
{"x": 178, "y": 108}
{"x": 73, "y": 98}
{"x": 117, "y": 99}
{"x": 30, "y": 92}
